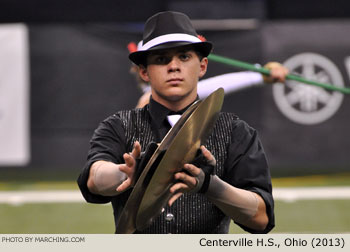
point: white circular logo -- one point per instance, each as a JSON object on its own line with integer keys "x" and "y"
{"x": 307, "y": 104}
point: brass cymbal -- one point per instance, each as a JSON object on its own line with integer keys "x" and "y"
{"x": 127, "y": 219}
{"x": 182, "y": 149}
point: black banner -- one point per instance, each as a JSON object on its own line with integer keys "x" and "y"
{"x": 80, "y": 75}
{"x": 305, "y": 128}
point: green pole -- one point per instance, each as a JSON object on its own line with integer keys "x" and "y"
{"x": 255, "y": 68}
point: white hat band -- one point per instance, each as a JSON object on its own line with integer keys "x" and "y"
{"x": 174, "y": 37}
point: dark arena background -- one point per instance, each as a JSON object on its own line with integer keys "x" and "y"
{"x": 64, "y": 67}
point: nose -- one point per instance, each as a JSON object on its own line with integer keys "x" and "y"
{"x": 174, "y": 65}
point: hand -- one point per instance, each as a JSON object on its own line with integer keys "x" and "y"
{"x": 129, "y": 167}
{"x": 278, "y": 73}
{"x": 190, "y": 180}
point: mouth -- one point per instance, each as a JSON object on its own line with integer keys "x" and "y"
{"x": 174, "y": 81}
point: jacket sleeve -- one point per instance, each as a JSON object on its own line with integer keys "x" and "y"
{"x": 108, "y": 144}
{"x": 247, "y": 168}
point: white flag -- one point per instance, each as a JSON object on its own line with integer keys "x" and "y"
{"x": 14, "y": 95}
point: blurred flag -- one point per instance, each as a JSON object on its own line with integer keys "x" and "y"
{"x": 14, "y": 95}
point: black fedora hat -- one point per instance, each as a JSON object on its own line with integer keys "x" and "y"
{"x": 166, "y": 30}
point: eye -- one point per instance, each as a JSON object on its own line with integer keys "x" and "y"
{"x": 159, "y": 60}
{"x": 184, "y": 56}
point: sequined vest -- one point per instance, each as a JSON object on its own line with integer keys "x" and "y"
{"x": 191, "y": 213}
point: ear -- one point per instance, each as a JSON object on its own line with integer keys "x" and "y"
{"x": 143, "y": 73}
{"x": 203, "y": 67}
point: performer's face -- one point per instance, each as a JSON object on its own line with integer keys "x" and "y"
{"x": 173, "y": 74}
